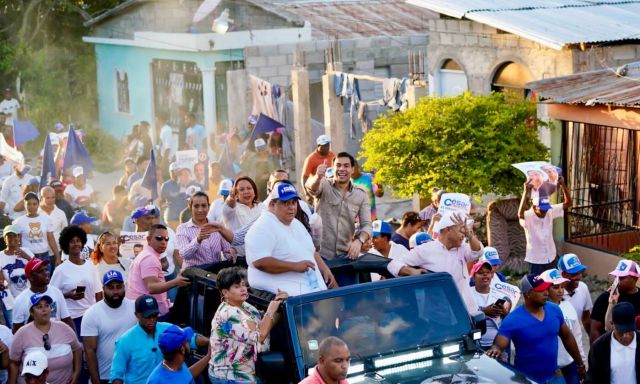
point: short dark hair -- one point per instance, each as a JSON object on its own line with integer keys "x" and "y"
{"x": 327, "y": 343}
{"x": 31, "y": 196}
{"x": 196, "y": 194}
{"x": 386, "y": 235}
{"x": 155, "y": 227}
{"x": 410, "y": 218}
{"x": 229, "y": 276}
{"x": 345, "y": 154}
{"x": 69, "y": 233}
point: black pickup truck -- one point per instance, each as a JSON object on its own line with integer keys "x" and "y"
{"x": 406, "y": 330}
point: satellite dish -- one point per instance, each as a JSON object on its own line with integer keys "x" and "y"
{"x": 204, "y": 10}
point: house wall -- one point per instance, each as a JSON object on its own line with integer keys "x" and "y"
{"x": 137, "y": 63}
{"x": 176, "y": 15}
{"x": 481, "y": 50}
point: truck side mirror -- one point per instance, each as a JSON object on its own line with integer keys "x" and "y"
{"x": 479, "y": 321}
{"x": 270, "y": 366}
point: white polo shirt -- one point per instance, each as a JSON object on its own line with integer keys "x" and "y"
{"x": 539, "y": 233}
{"x": 623, "y": 362}
{"x": 581, "y": 299}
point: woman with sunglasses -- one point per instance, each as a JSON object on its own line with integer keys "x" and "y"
{"x": 105, "y": 257}
{"x": 76, "y": 278}
{"x": 54, "y": 338}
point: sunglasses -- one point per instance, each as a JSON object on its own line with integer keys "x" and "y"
{"x": 45, "y": 340}
{"x": 160, "y": 238}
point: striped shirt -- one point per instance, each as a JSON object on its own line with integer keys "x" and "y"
{"x": 194, "y": 254}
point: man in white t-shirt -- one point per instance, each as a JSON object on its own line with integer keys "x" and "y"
{"x": 56, "y": 215}
{"x": 80, "y": 193}
{"x": 9, "y": 106}
{"x": 381, "y": 239}
{"x": 100, "y": 330}
{"x": 11, "y": 193}
{"x": 280, "y": 252}
{"x": 575, "y": 291}
{"x": 38, "y": 276}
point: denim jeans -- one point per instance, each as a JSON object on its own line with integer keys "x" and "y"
{"x": 536, "y": 269}
{"x": 570, "y": 373}
{"x": 227, "y": 381}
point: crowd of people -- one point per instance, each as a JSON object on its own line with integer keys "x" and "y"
{"x": 77, "y": 308}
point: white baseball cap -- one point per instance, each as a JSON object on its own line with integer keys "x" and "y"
{"x": 225, "y": 187}
{"x": 260, "y": 143}
{"x": 323, "y": 140}
{"x": 445, "y": 221}
{"x": 34, "y": 363}
{"x": 78, "y": 171}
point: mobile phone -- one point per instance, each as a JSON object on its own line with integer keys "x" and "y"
{"x": 500, "y": 302}
{"x": 614, "y": 286}
{"x": 80, "y": 289}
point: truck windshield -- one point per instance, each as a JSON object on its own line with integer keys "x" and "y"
{"x": 383, "y": 321}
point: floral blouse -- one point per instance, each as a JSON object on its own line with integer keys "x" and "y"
{"x": 234, "y": 346}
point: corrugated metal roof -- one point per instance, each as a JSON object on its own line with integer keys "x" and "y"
{"x": 553, "y": 23}
{"x": 613, "y": 86}
{"x": 349, "y": 19}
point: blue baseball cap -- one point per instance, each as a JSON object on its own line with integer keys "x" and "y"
{"x": 491, "y": 256}
{"x": 381, "y": 227}
{"x": 544, "y": 204}
{"x": 82, "y": 218}
{"x": 570, "y": 263}
{"x": 284, "y": 192}
{"x": 419, "y": 238}
{"x": 143, "y": 211}
{"x": 37, "y": 297}
{"x": 112, "y": 275}
{"x": 173, "y": 337}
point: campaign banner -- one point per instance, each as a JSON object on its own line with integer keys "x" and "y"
{"x": 131, "y": 243}
{"x": 505, "y": 291}
{"x": 454, "y": 203}
{"x": 542, "y": 176}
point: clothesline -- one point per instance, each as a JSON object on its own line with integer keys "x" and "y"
{"x": 360, "y": 77}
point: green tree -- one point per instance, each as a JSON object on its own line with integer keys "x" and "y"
{"x": 464, "y": 144}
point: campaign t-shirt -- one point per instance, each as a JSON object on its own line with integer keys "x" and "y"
{"x": 34, "y": 232}
{"x": 100, "y": 320}
{"x": 602, "y": 302}
{"x": 68, "y": 276}
{"x": 22, "y": 304}
{"x": 13, "y": 271}
{"x": 161, "y": 375}
{"x": 269, "y": 237}
{"x": 77, "y": 194}
{"x": 536, "y": 341}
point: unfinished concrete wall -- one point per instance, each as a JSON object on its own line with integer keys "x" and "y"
{"x": 613, "y": 56}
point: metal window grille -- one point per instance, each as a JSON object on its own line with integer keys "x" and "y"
{"x": 601, "y": 172}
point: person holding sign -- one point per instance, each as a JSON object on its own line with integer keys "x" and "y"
{"x": 537, "y": 222}
{"x": 482, "y": 275}
{"x": 448, "y": 253}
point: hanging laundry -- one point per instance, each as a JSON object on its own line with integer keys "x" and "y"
{"x": 338, "y": 80}
{"x": 363, "y": 116}
{"x": 402, "y": 95}
{"x": 262, "y": 100}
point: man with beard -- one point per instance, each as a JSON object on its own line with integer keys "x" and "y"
{"x": 103, "y": 324}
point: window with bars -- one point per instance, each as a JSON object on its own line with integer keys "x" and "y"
{"x": 122, "y": 92}
{"x": 601, "y": 172}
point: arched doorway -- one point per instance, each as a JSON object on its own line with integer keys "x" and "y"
{"x": 512, "y": 77}
{"x": 452, "y": 79}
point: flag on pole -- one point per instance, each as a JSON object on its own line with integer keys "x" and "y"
{"x": 150, "y": 178}
{"x": 76, "y": 153}
{"x": 227, "y": 167}
{"x": 265, "y": 124}
{"x": 24, "y": 131}
{"x": 48, "y": 164}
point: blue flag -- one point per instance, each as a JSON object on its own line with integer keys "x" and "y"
{"x": 150, "y": 178}
{"x": 76, "y": 153}
{"x": 227, "y": 168}
{"x": 265, "y": 124}
{"x": 24, "y": 131}
{"x": 48, "y": 164}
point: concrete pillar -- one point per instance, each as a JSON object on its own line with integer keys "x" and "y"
{"x": 209, "y": 103}
{"x": 303, "y": 139}
{"x": 333, "y": 111}
{"x": 238, "y": 98}
{"x": 415, "y": 93}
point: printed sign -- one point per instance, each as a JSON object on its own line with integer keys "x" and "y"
{"x": 505, "y": 291}
{"x": 131, "y": 243}
{"x": 454, "y": 202}
{"x": 543, "y": 177}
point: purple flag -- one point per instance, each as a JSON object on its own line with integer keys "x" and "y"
{"x": 76, "y": 153}
{"x": 150, "y": 178}
{"x": 24, "y": 131}
{"x": 48, "y": 164}
{"x": 265, "y": 124}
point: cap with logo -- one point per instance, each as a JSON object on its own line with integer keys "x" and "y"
{"x": 533, "y": 283}
{"x": 544, "y": 204}
{"x": 143, "y": 211}
{"x": 38, "y": 297}
{"x": 570, "y": 263}
{"x": 381, "y": 227}
{"x": 553, "y": 276}
{"x": 225, "y": 187}
{"x": 112, "y": 275}
{"x": 323, "y": 140}
{"x": 260, "y": 144}
{"x": 192, "y": 189}
{"x": 624, "y": 317}
{"x": 419, "y": 238}
{"x": 491, "y": 256}
{"x": 173, "y": 167}
{"x": 174, "y": 337}
{"x": 147, "y": 305}
{"x": 284, "y": 192}
{"x": 33, "y": 265}
{"x": 82, "y": 218}
{"x": 626, "y": 268}
{"x": 34, "y": 363}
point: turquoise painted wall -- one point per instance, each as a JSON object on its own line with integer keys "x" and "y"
{"x": 137, "y": 63}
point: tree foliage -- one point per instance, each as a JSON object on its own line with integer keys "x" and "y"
{"x": 464, "y": 144}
